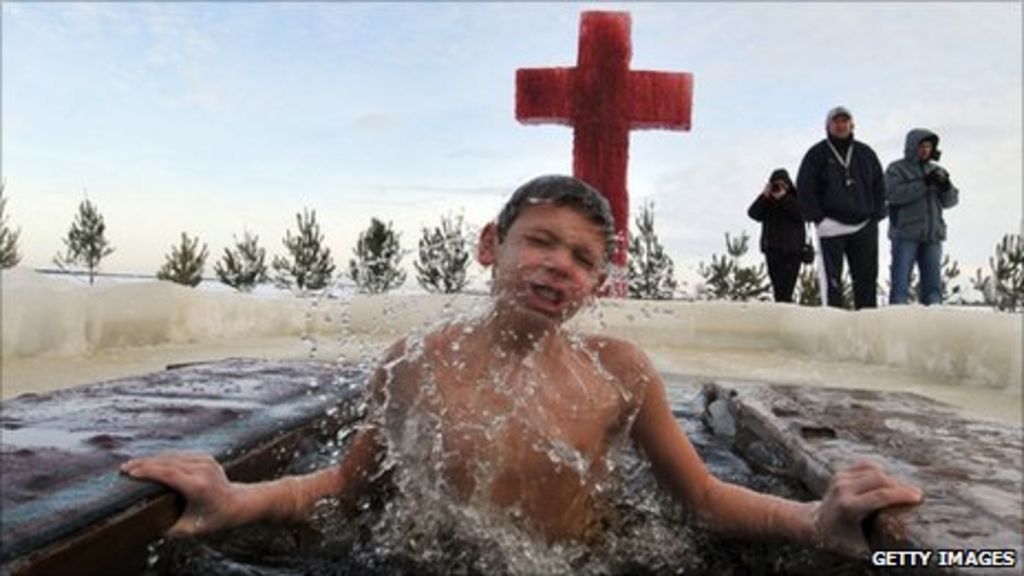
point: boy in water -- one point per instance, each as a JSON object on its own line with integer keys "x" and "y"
{"x": 524, "y": 414}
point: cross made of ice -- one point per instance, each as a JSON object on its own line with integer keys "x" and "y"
{"x": 602, "y": 99}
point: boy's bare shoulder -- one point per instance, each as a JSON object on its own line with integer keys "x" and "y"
{"x": 622, "y": 358}
{"x": 409, "y": 350}
{"x": 613, "y": 348}
{"x": 396, "y": 351}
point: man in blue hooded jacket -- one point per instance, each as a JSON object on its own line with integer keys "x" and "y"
{"x": 918, "y": 190}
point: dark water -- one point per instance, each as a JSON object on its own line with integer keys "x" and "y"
{"x": 395, "y": 533}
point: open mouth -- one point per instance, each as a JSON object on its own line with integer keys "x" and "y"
{"x": 546, "y": 298}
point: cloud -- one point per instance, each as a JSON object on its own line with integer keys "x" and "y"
{"x": 374, "y": 122}
{"x": 381, "y": 109}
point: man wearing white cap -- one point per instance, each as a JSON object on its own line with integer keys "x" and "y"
{"x": 842, "y": 190}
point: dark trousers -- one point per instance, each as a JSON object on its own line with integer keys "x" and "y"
{"x": 861, "y": 251}
{"x": 783, "y": 270}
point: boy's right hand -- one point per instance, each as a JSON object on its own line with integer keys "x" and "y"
{"x": 854, "y": 493}
{"x": 212, "y": 501}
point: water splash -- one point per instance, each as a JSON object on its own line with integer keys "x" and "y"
{"x": 416, "y": 520}
{"x": 450, "y": 495}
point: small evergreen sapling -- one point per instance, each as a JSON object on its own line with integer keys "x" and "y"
{"x": 9, "y": 256}
{"x": 243, "y": 267}
{"x": 309, "y": 265}
{"x": 443, "y": 258}
{"x": 376, "y": 267}
{"x": 651, "y": 272}
{"x": 184, "y": 265}
{"x": 727, "y": 279}
{"x": 86, "y": 243}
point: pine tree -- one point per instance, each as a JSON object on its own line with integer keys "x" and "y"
{"x": 86, "y": 243}
{"x": 184, "y": 265}
{"x": 950, "y": 271}
{"x": 1003, "y": 287}
{"x": 651, "y": 272}
{"x": 9, "y": 256}
{"x": 443, "y": 259}
{"x": 245, "y": 266}
{"x": 808, "y": 288}
{"x": 375, "y": 269}
{"x": 726, "y": 279}
{"x": 311, "y": 266}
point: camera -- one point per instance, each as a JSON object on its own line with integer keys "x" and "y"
{"x": 939, "y": 178}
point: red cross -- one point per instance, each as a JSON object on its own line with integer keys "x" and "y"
{"x": 603, "y": 100}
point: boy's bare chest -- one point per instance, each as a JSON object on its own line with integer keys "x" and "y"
{"x": 554, "y": 424}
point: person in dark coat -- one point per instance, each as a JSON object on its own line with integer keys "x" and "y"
{"x": 842, "y": 190}
{"x": 782, "y": 232}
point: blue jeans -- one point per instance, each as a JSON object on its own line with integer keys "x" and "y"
{"x": 928, "y": 257}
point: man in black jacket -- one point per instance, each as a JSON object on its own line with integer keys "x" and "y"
{"x": 842, "y": 190}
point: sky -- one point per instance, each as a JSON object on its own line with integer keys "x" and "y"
{"x": 217, "y": 118}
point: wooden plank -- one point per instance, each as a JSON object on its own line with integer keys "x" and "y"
{"x": 66, "y": 509}
{"x": 970, "y": 470}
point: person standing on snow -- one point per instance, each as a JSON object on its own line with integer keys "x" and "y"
{"x": 782, "y": 232}
{"x": 918, "y": 190}
{"x": 842, "y": 190}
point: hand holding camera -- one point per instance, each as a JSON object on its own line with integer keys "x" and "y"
{"x": 938, "y": 178}
{"x": 776, "y": 190}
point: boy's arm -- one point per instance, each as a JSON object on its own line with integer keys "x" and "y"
{"x": 215, "y": 503}
{"x": 833, "y": 522}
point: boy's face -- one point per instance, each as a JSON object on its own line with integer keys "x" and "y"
{"x": 550, "y": 262}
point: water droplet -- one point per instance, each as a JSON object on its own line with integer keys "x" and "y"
{"x": 153, "y": 553}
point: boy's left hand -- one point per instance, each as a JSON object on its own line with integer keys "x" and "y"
{"x": 852, "y": 495}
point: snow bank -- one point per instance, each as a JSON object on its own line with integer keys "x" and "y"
{"x": 969, "y": 346}
{"x": 44, "y": 316}
{"x": 55, "y": 316}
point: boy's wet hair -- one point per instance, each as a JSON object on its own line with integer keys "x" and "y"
{"x": 561, "y": 191}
